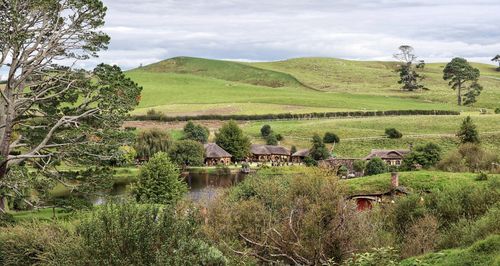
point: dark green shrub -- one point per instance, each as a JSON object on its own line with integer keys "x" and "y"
{"x": 393, "y": 133}
{"x": 271, "y": 139}
{"x": 497, "y": 110}
{"x": 309, "y": 161}
{"x": 196, "y": 132}
{"x": 187, "y": 153}
{"x": 6, "y": 219}
{"x": 482, "y": 176}
{"x": 265, "y": 130}
{"x": 375, "y": 166}
{"x": 427, "y": 155}
{"x": 331, "y": 138}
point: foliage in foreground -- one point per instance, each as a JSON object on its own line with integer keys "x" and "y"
{"x": 125, "y": 234}
{"x": 298, "y": 218}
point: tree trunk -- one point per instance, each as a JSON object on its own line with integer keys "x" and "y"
{"x": 459, "y": 94}
{"x": 5, "y": 133}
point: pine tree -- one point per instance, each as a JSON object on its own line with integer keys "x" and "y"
{"x": 468, "y": 132}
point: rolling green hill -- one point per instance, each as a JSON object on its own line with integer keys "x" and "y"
{"x": 191, "y": 86}
{"x": 224, "y": 70}
{"x": 379, "y": 78}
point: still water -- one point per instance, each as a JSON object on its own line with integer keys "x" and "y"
{"x": 202, "y": 185}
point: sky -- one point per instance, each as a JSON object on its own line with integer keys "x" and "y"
{"x": 147, "y": 31}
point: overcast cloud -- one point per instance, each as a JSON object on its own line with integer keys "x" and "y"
{"x": 147, "y": 31}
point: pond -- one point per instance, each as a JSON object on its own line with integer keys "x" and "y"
{"x": 202, "y": 185}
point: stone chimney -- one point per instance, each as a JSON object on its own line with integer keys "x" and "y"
{"x": 394, "y": 179}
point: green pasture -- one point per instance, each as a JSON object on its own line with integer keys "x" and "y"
{"x": 162, "y": 89}
{"x": 359, "y": 135}
{"x": 380, "y": 78}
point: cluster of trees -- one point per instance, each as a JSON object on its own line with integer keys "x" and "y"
{"x": 268, "y": 134}
{"x": 461, "y": 76}
{"x": 184, "y": 152}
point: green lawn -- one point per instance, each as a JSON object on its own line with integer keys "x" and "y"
{"x": 40, "y": 214}
{"x": 415, "y": 181}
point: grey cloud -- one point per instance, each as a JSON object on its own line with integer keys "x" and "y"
{"x": 148, "y": 31}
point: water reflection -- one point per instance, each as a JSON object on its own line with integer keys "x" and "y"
{"x": 205, "y": 185}
{"x": 202, "y": 185}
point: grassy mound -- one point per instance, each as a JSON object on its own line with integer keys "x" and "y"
{"x": 415, "y": 181}
{"x": 485, "y": 252}
{"x": 224, "y": 70}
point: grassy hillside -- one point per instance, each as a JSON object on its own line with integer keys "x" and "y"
{"x": 482, "y": 253}
{"x": 190, "y": 86}
{"x": 379, "y": 78}
{"x": 224, "y": 70}
{"x": 222, "y": 97}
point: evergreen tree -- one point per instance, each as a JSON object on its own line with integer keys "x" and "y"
{"x": 468, "y": 132}
{"x": 318, "y": 149}
{"x": 266, "y": 130}
{"x": 196, "y": 132}
{"x": 159, "y": 182}
{"x": 464, "y": 79}
{"x": 231, "y": 138}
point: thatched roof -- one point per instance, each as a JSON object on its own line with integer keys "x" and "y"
{"x": 213, "y": 150}
{"x": 387, "y": 154}
{"x": 301, "y": 153}
{"x": 259, "y": 149}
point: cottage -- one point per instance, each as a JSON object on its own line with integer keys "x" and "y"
{"x": 266, "y": 153}
{"x": 214, "y": 155}
{"x": 299, "y": 156}
{"x": 391, "y": 157}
